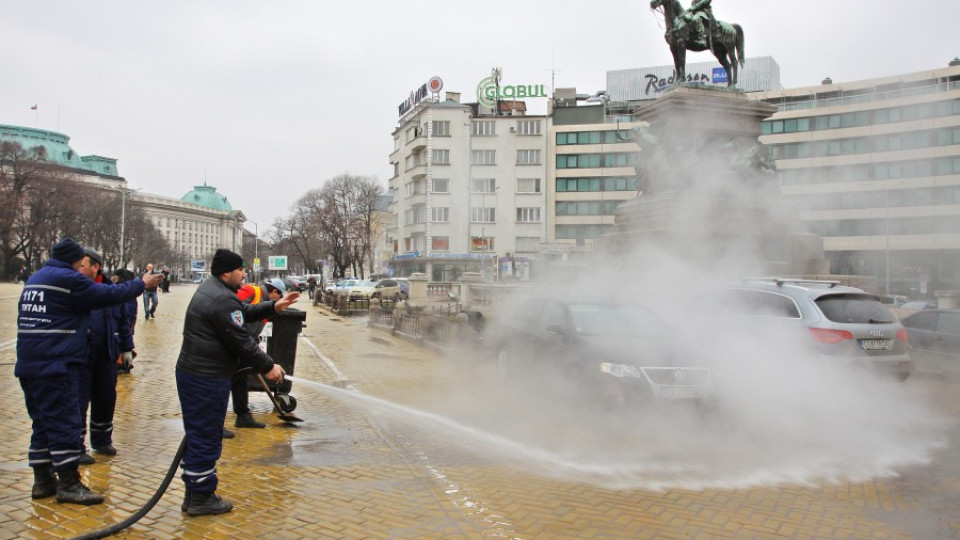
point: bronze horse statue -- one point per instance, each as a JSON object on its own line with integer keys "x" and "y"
{"x": 725, "y": 40}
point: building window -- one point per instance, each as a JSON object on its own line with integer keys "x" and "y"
{"x": 439, "y": 214}
{"x": 441, "y": 157}
{"x": 440, "y": 243}
{"x": 528, "y": 127}
{"x": 528, "y": 244}
{"x": 586, "y": 208}
{"x": 481, "y": 243}
{"x": 528, "y": 185}
{"x": 528, "y": 157}
{"x": 484, "y": 128}
{"x": 441, "y": 185}
{"x": 528, "y": 215}
{"x": 417, "y": 214}
{"x": 483, "y": 185}
{"x": 441, "y": 128}
{"x": 415, "y": 188}
{"x": 483, "y": 157}
{"x": 483, "y": 215}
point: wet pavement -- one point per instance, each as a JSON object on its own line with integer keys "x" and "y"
{"x": 427, "y": 459}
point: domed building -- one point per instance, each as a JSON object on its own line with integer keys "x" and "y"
{"x": 194, "y": 225}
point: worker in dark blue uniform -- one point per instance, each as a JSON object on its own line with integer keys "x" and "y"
{"x": 122, "y": 275}
{"x": 109, "y": 336}
{"x": 215, "y": 342}
{"x": 52, "y": 328}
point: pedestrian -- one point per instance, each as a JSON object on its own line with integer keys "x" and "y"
{"x": 165, "y": 284}
{"x": 150, "y": 298}
{"x": 125, "y": 364}
{"x": 109, "y": 338}
{"x": 239, "y": 390}
{"x": 54, "y": 312}
{"x": 311, "y": 286}
{"x": 214, "y": 339}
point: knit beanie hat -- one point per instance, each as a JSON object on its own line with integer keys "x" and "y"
{"x": 225, "y": 261}
{"x": 94, "y": 256}
{"x": 68, "y": 251}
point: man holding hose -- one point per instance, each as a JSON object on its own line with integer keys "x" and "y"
{"x": 214, "y": 341}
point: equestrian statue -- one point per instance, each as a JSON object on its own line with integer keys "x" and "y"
{"x": 697, "y": 30}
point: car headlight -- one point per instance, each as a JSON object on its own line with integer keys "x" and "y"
{"x": 619, "y": 370}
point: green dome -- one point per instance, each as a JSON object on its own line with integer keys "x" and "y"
{"x": 207, "y": 196}
{"x": 56, "y": 149}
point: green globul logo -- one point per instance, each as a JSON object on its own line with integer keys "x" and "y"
{"x": 488, "y": 93}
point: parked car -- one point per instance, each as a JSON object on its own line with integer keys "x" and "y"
{"x": 935, "y": 338}
{"x": 620, "y": 353}
{"x": 917, "y": 305}
{"x": 362, "y": 289}
{"x": 387, "y": 289}
{"x": 296, "y": 283}
{"x": 838, "y": 321}
{"x": 342, "y": 287}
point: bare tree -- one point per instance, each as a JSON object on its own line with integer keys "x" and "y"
{"x": 20, "y": 169}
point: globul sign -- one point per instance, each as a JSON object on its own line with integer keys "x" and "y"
{"x": 488, "y": 92}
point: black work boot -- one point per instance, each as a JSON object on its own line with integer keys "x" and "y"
{"x": 227, "y": 434}
{"x": 203, "y": 504}
{"x": 186, "y": 500}
{"x": 44, "y": 482}
{"x": 247, "y": 421}
{"x": 71, "y": 490}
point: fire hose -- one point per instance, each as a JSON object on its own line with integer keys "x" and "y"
{"x": 285, "y": 405}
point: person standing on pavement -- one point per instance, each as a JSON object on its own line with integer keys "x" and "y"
{"x": 312, "y": 286}
{"x": 108, "y": 339}
{"x": 214, "y": 339}
{"x": 125, "y": 364}
{"x": 52, "y": 324}
{"x": 150, "y": 298}
{"x": 272, "y": 289}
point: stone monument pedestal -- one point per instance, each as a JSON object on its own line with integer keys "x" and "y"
{"x": 703, "y": 198}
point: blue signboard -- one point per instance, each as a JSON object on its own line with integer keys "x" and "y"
{"x": 719, "y": 75}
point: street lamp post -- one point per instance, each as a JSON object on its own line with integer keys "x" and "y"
{"x": 887, "y": 272}
{"x": 256, "y": 252}
{"x": 123, "y": 217}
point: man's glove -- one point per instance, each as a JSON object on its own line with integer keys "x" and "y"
{"x": 126, "y": 360}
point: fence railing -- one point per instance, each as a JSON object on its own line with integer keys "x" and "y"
{"x": 437, "y": 327}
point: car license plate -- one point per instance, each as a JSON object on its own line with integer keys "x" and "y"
{"x": 674, "y": 392}
{"x": 876, "y": 344}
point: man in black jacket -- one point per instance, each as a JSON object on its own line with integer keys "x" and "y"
{"x": 214, "y": 340}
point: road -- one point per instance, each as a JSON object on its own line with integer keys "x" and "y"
{"x": 400, "y": 442}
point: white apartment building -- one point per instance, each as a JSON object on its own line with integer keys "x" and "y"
{"x": 468, "y": 189}
{"x": 874, "y": 166}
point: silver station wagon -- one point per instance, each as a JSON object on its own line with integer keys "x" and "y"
{"x": 839, "y": 321}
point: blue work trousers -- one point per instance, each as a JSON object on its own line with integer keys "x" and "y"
{"x": 52, "y": 406}
{"x": 98, "y": 390}
{"x": 203, "y": 404}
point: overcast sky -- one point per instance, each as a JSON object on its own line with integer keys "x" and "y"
{"x": 267, "y": 99}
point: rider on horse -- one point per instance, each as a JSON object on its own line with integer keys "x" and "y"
{"x": 699, "y": 33}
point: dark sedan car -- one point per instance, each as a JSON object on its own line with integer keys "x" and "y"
{"x": 934, "y": 339}
{"x": 614, "y": 353}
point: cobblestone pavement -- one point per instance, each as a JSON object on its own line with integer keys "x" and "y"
{"x": 360, "y": 468}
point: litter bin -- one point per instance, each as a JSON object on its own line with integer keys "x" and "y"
{"x": 282, "y": 345}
